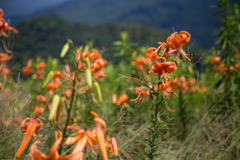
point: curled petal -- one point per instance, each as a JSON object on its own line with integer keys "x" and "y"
{"x": 100, "y": 121}
{"x": 115, "y": 147}
{"x": 169, "y": 53}
{"x": 35, "y": 154}
{"x": 4, "y": 57}
{"x": 185, "y": 37}
{"x": 94, "y": 114}
{"x": 152, "y": 53}
{"x": 71, "y": 140}
{"x": 1, "y": 13}
{"x": 28, "y": 136}
{"x": 12, "y": 29}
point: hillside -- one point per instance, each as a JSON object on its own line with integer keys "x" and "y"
{"x": 45, "y": 36}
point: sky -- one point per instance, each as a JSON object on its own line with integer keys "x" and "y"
{"x": 23, "y": 7}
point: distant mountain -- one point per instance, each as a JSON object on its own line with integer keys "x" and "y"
{"x": 189, "y": 15}
{"x": 45, "y": 36}
{"x": 177, "y": 15}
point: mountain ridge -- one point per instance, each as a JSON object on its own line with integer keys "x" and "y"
{"x": 165, "y": 14}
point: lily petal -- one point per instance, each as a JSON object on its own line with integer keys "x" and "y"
{"x": 28, "y": 136}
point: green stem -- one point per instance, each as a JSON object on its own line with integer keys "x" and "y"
{"x": 70, "y": 109}
{"x": 182, "y": 114}
{"x": 155, "y": 119}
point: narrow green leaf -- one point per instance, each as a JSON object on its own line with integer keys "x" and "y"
{"x": 155, "y": 136}
{"x": 147, "y": 154}
{"x": 153, "y": 122}
{"x": 161, "y": 125}
{"x": 150, "y": 129}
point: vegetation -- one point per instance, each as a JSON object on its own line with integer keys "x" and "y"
{"x": 138, "y": 97}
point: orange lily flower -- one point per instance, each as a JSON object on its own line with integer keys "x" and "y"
{"x": 85, "y": 136}
{"x": 222, "y": 68}
{"x": 99, "y": 74}
{"x": 140, "y": 61}
{"x": 144, "y": 91}
{"x": 1, "y": 86}
{"x": 35, "y": 154}
{"x": 26, "y": 70}
{"x": 122, "y": 99}
{"x": 57, "y": 74}
{"x": 237, "y": 66}
{"x": 6, "y": 71}
{"x": 215, "y": 60}
{"x": 41, "y": 65}
{"x": 92, "y": 56}
{"x": 177, "y": 41}
{"x": 67, "y": 93}
{"x": 30, "y": 129}
{"x": 111, "y": 144}
{"x": 4, "y": 25}
{"x": 152, "y": 53}
{"x": 165, "y": 84}
{"x": 4, "y": 57}
{"x": 38, "y": 110}
{"x": 24, "y": 125}
{"x": 162, "y": 68}
{"x": 42, "y": 99}
{"x": 53, "y": 86}
{"x": 40, "y": 74}
{"x": 164, "y": 49}
{"x": 98, "y": 64}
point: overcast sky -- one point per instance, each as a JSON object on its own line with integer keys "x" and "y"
{"x": 23, "y": 7}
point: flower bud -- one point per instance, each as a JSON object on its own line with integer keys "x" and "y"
{"x": 96, "y": 85}
{"x": 54, "y": 107}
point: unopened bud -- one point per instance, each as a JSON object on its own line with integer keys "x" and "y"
{"x": 88, "y": 74}
{"x": 48, "y": 79}
{"x": 96, "y": 85}
{"x": 54, "y": 107}
{"x": 64, "y": 50}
